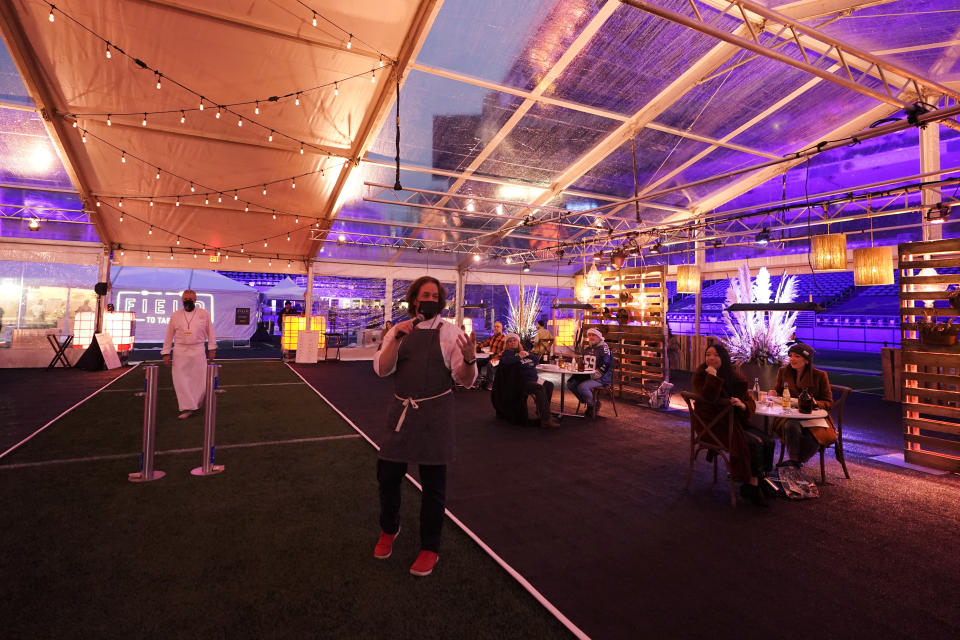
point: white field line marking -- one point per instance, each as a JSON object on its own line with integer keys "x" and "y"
{"x": 120, "y": 456}
{"x": 222, "y": 386}
{"x": 574, "y": 629}
{"x": 29, "y": 437}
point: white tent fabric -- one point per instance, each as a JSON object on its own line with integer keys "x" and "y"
{"x": 286, "y": 289}
{"x": 154, "y": 294}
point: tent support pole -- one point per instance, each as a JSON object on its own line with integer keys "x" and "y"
{"x": 308, "y": 296}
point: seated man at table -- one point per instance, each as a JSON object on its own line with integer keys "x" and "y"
{"x": 543, "y": 341}
{"x": 496, "y": 345}
{"x": 541, "y": 390}
{"x": 803, "y": 438}
{"x": 583, "y": 385}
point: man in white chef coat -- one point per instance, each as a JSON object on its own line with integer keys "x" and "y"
{"x": 189, "y": 331}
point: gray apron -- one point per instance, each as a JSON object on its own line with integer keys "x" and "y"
{"x": 420, "y": 417}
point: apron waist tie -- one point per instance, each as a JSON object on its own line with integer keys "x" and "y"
{"x": 414, "y": 402}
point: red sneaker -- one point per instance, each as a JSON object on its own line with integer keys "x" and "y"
{"x": 423, "y": 565}
{"x": 385, "y": 545}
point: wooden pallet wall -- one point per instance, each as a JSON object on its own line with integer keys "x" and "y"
{"x": 930, "y": 373}
{"x": 640, "y": 344}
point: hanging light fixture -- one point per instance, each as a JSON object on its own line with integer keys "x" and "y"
{"x": 618, "y": 257}
{"x": 688, "y": 278}
{"x": 763, "y": 238}
{"x": 593, "y": 277}
{"x": 829, "y": 252}
{"x": 872, "y": 266}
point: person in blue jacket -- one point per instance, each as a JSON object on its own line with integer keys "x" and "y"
{"x": 597, "y": 354}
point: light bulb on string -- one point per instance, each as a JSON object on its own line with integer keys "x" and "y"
{"x": 108, "y": 51}
{"x": 381, "y": 61}
{"x": 256, "y": 109}
{"x": 178, "y": 201}
{"x": 98, "y": 202}
{"x": 183, "y": 117}
{"x": 274, "y": 214}
{"x": 246, "y": 207}
{"x": 220, "y": 198}
{"x": 122, "y": 253}
{"x": 158, "y": 79}
{"x": 288, "y": 264}
{"x": 123, "y": 157}
{"x": 296, "y": 220}
{"x": 350, "y": 41}
{"x": 109, "y": 124}
{"x": 150, "y": 232}
{"x": 74, "y": 124}
{"x": 51, "y": 16}
{"x": 336, "y": 88}
{"x": 249, "y": 260}
{"x": 264, "y": 243}
{"x": 121, "y": 203}
{"x": 241, "y": 248}
{"x": 192, "y": 188}
{"x": 206, "y": 200}
{"x": 270, "y": 262}
{"x": 148, "y": 255}
{"x": 83, "y": 136}
{"x": 178, "y": 241}
{"x": 236, "y": 196}
{"x": 204, "y": 250}
{"x": 240, "y": 122}
{"x": 373, "y": 76}
{"x": 121, "y": 217}
{"x": 296, "y": 100}
{"x": 218, "y": 113}
{"x": 314, "y": 17}
{"x": 151, "y": 202}
{"x": 264, "y": 189}
{"x": 171, "y": 254}
{"x": 194, "y": 254}
{"x": 158, "y": 173}
{"x": 293, "y": 183}
{"x": 201, "y": 103}
{"x": 301, "y": 148}
{"x": 288, "y": 237}
{"x": 270, "y": 137}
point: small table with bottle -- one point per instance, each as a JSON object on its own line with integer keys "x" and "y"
{"x": 563, "y": 369}
{"x": 782, "y": 407}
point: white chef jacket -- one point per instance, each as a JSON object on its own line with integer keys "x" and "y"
{"x": 189, "y": 328}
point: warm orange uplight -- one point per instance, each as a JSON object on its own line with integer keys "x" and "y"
{"x": 563, "y": 331}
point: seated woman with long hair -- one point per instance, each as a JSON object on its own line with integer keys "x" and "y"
{"x": 751, "y": 450}
{"x": 803, "y": 438}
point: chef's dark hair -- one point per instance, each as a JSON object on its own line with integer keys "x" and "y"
{"x": 414, "y": 291}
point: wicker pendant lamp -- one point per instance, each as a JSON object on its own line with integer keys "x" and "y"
{"x": 829, "y": 252}
{"x": 872, "y": 266}
{"x": 688, "y": 278}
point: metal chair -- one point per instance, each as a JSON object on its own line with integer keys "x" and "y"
{"x": 702, "y": 438}
{"x": 332, "y": 338}
{"x": 840, "y": 394}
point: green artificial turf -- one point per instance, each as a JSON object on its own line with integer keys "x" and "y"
{"x": 112, "y": 422}
{"x": 279, "y": 545}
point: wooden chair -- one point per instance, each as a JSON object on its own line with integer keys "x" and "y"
{"x": 702, "y": 438}
{"x": 840, "y": 394}
{"x": 606, "y": 390}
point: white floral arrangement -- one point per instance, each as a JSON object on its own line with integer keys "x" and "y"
{"x": 759, "y": 337}
{"x": 522, "y": 314}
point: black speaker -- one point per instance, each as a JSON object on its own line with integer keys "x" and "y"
{"x": 100, "y": 288}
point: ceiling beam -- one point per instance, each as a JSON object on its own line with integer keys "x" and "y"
{"x": 42, "y": 94}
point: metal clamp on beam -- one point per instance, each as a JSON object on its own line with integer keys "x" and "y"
{"x": 147, "y": 472}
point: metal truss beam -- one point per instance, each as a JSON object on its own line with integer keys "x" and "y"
{"x": 44, "y": 214}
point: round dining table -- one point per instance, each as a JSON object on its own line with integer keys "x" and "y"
{"x": 553, "y": 372}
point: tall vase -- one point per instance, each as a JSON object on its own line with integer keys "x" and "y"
{"x": 766, "y": 373}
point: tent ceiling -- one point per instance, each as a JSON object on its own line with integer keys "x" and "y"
{"x": 571, "y": 104}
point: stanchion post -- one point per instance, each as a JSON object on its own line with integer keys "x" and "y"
{"x": 147, "y": 472}
{"x": 209, "y": 425}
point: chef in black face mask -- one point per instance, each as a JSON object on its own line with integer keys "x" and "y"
{"x": 188, "y": 332}
{"x": 422, "y": 354}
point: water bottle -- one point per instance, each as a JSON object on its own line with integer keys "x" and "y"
{"x": 756, "y": 389}
{"x": 786, "y": 399}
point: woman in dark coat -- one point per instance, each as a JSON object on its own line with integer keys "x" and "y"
{"x": 804, "y": 437}
{"x": 751, "y": 450}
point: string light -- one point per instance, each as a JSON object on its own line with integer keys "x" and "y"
{"x": 373, "y": 76}
{"x": 171, "y": 254}
{"x": 336, "y": 88}
{"x": 246, "y": 207}
{"x": 288, "y": 237}
{"x": 74, "y": 124}
{"x": 240, "y": 122}
{"x": 52, "y": 8}
{"x": 293, "y": 183}
{"x": 151, "y": 202}
{"x": 288, "y": 264}
{"x": 123, "y": 157}
{"x": 236, "y": 196}
{"x": 264, "y": 243}
{"x": 350, "y": 41}
{"x": 218, "y": 113}
{"x": 314, "y": 17}
{"x": 148, "y": 255}
{"x": 296, "y": 220}
{"x": 270, "y": 137}
{"x": 121, "y": 217}
{"x": 220, "y": 198}
{"x": 183, "y": 117}
{"x": 108, "y": 51}
{"x": 381, "y": 61}
{"x": 296, "y": 100}
{"x": 270, "y": 262}
{"x": 249, "y": 260}
{"x": 206, "y": 200}
{"x": 264, "y": 189}
{"x": 274, "y": 214}
{"x": 109, "y": 124}
{"x": 301, "y": 148}
{"x": 192, "y": 188}
{"x": 204, "y": 250}
{"x": 121, "y": 203}
{"x": 98, "y": 202}
{"x": 178, "y": 201}
{"x": 201, "y": 103}
{"x": 158, "y": 79}
{"x": 256, "y": 109}
{"x": 122, "y": 253}
{"x": 83, "y": 136}
{"x": 241, "y": 248}
{"x": 194, "y": 254}
{"x": 158, "y": 173}
{"x": 178, "y": 241}
{"x": 150, "y": 232}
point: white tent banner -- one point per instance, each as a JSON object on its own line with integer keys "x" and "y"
{"x": 154, "y": 294}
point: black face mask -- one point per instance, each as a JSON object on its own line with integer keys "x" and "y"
{"x": 188, "y": 305}
{"x": 428, "y": 308}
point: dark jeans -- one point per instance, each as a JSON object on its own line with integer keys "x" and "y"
{"x": 800, "y": 443}
{"x": 433, "y": 478}
{"x": 541, "y": 395}
{"x": 761, "y": 451}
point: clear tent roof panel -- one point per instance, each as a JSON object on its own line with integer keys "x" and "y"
{"x": 546, "y": 141}
{"x": 12, "y": 89}
{"x": 821, "y": 109}
{"x": 511, "y": 42}
{"x": 727, "y": 101}
{"x": 444, "y": 124}
{"x": 718, "y": 161}
{"x": 27, "y": 155}
{"x": 632, "y": 58}
{"x": 657, "y": 153}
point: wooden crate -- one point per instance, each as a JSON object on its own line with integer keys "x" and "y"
{"x": 930, "y": 374}
{"x": 640, "y": 343}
